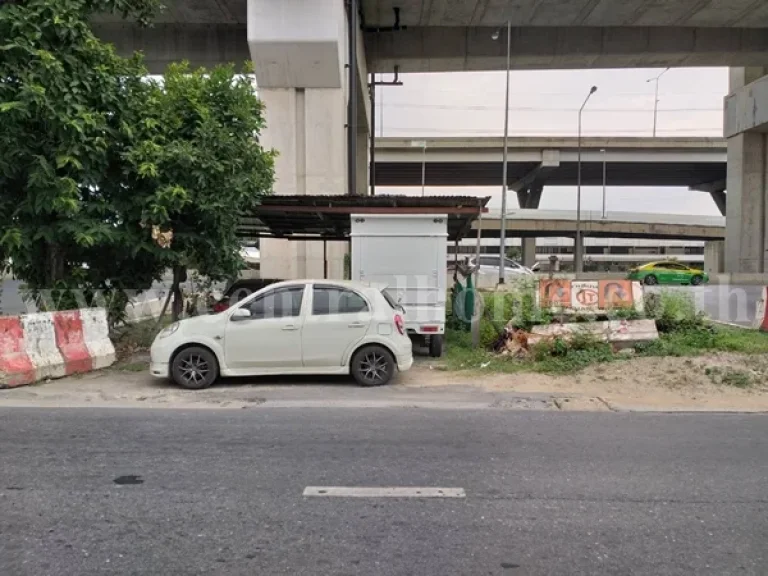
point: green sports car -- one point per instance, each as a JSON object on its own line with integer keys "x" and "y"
{"x": 667, "y": 273}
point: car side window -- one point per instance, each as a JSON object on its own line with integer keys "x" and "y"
{"x": 280, "y": 303}
{"x": 327, "y": 300}
{"x": 673, "y": 266}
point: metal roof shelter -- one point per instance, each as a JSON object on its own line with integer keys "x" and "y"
{"x": 328, "y": 217}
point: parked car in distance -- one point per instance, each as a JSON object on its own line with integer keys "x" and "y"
{"x": 490, "y": 265}
{"x": 290, "y": 328}
{"x": 238, "y": 290}
{"x": 668, "y": 273}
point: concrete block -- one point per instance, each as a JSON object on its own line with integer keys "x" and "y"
{"x": 620, "y": 333}
{"x": 40, "y": 345}
{"x": 16, "y": 368}
{"x": 96, "y": 337}
{"x": 71, "y": 342}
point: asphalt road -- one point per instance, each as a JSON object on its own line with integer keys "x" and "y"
{"x": 220, "y": 492}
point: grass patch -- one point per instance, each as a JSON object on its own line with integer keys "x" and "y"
{"x": 730, "y": 377}
{"x": 695, "y": 342}
{"x": 134, "y": 367}
{"x": 137, "y": 337}
{"x": 552, "y": 357}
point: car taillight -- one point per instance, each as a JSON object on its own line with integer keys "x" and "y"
{"x": 399, "y": 324}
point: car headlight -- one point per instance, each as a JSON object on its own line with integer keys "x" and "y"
{"x": 168, "y": 330}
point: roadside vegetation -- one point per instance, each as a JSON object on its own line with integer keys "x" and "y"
{"x": 683, "y": 332}
{"x": 110, "y": 177}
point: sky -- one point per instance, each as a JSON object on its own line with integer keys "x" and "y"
{"x": 546, "y": 103}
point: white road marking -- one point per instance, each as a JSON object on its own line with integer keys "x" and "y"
{"x": 383, "y": 492}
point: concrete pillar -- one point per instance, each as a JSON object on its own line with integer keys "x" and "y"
{"x": 714, "y": 257}
{"x": 299, "y": 51}
{"x": 529, "y": 198}
{"x": 306, "y": 127}
{"x": 746, "y": 118}
{"x": 529, "y": 252}
{"x": 362, "y": 157}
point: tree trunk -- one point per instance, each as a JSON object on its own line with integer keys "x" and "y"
{"x": 55, "y": 265}
{"x": 179, "y": 276}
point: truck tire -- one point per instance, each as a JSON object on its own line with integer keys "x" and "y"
{"x": 436, "y": 346}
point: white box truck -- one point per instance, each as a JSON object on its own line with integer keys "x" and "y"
{"x": 407, "y": 255}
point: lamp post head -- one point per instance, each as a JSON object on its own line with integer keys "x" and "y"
{"x": 593, "y": 90}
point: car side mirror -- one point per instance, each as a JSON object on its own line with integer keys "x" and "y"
{"x": 240, "y": 314}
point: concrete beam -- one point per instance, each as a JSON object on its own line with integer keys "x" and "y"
{"x": 530, "y": 198}
{"x": 201, "y": 44}
{"x": 550, "y": 159}
{"x": 454, "y": 48}
{"x": 720, "y": 200}
{"x": 746, "y": 109}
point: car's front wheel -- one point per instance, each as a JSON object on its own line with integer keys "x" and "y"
{"x": 195, "y": 368}
{"x": 651, "y": 280}
{"x": 373, "y": 366}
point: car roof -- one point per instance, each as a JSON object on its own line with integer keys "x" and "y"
{"x": 663, "y": 262}
{"x": 361, "y": 286}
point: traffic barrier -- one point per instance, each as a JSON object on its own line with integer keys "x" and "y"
{"x": 96, "y": 335}
{"x": 40, "y": 345}
{"x": 16, "y": 368}
{"x": 37, "y": 347}
{"x": 71, "y": 342}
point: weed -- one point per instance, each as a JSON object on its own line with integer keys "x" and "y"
{"x": 673, "y": 311}
{"x": 730, "y": 377}
{"x": 134, "y": 367}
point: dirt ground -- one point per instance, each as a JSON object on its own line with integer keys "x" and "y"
{"x": 637, "y": 384}
{"x": 641, "y": 383}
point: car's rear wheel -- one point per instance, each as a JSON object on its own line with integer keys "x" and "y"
{"x": 651, "y": 280}
{"x": 696, "y": 280}
{"x": 373, "y": 366}
{"x": 195, "y": 368}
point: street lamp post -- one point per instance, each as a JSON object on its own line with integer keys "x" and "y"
{"x": 656, "y": 98}
{"x": 578, "y": 251}
{"x": 503, "y": 230}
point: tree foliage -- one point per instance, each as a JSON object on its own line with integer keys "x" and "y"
{"x": 198, "y": 165}
{"x": 93, "y": 154}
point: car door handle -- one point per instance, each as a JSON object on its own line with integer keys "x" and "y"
{"x": 289, "y": 327}
{"x": 356, "y": 325}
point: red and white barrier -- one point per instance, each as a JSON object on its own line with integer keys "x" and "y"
{"x": 36, "y": 347}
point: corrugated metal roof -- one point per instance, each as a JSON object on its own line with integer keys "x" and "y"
{"x": 327, "y": 217}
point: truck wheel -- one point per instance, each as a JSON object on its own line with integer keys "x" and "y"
{"x": 436, "y": 346}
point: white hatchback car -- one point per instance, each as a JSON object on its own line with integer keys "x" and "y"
{"x": 296, "y": 327}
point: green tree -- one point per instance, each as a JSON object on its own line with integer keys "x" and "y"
{"x": 67, "y": 101}
{"x": 198, "y": 167}
{"x": 95, "y": 156}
